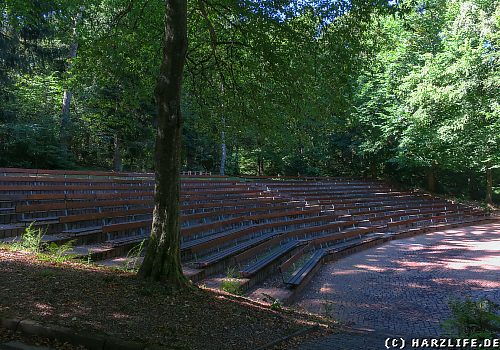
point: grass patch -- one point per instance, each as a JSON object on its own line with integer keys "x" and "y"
{"x": 131, "y": 262}
{"x": 232, "y": 283}
{"x": 32, "y": 241}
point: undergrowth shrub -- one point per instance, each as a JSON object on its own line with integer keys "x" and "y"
{"x": 58, "y": 252}
{"x": 276, "y": 304}
{"x": 476, "y": 319}
{"x": 231, "y": 284}
{"x": 132, "y": 259}
{"x": 31, "y": 240}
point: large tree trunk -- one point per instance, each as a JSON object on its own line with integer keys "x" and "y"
{"x": 65, "y": 135}
{"x": 373, "y": 170}
{"x": 163, "y": 260}
{"x": 260, "y": 166}
{"x": 431, "y": 179}
{"x": 117, "y": 154}
{"x": 489, "y": 185}
{"x": 237, "y": 160}
{"x": 213, "y": 45}
{"x": 223, "y": 149}
{"x": 65, "y": 120}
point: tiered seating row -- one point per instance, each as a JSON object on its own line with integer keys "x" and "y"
{"x": 252, "y": 223}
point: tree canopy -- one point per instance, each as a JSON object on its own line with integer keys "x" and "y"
{"x": 404, "y": 90}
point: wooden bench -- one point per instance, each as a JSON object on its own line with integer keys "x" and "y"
{"x": 258, "y": 265}
{"x": 30, "y": 208}
{"x": 389, "y": 215}
{"x": 366, "y": 199}
{"x": 127, "y": 226}
{"x": 334, "y": 191}
{"x": 30, "y": 198}
{"x": 220, "y": 196}
{"x": 435, "y": 218}
{"x": 70, "y": 188}
{"x": 66, "y": 189}
{"x": 275, "y": 238}
{"x": 299, "y": 275}
{"x": 233, "y": 250}
{"x": 412, "y": 215}
{"x": 128, "y": 240}
{"x": 287, "y": 264}
{"x": 104, "y": 215}
{"x": 327, "y": 200}
{"x": 354, "y": 196}
{"x": 84, "y": 230}
{"x": 199, "y": 244}
{"x": 232, "y": 203}
{"x": 232, "y": 211}
{"x": 343, "y": 235}
{"x": 37, "y": 180}
{"x": 375, "y": 208}
{"x": 319, "y": 230}
{"x": 305, "y": 271}
{"x": 6, "y": 171}
{"x": 40, "y": 219}
{"x": 220, "y": 192}
{"x": 215, "y": 186}
{"x": 191, "y": 230}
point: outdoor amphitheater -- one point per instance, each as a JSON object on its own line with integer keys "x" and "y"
{"x": 252, "y": 230}
{"x": 380, "y": 259}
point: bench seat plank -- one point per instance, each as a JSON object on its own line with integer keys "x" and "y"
{"x": 299, "y": 275}
{"x": 275, "y": 254}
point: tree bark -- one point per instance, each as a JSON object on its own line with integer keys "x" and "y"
{"x": 117, "y": 154}
{"x": 260, "y": 166}
{"x": 213, "y": 45}
{"x": 237, "y": 160}
{"x": 67, "y": 95}
{"x": 65, "y": 120}
{"x": 489, "y": 185}
{"x": 431, "y": 179}
{"x": 223, "y": 149}
{"x": 163, "y": 261}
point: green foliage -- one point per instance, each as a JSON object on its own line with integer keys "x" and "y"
{"x": 59, "y": 252}
{"x": 231, "y": 286}
{"x": 88, "y": 258}
{"x": 231, "y": 283}
{"x": 475, "y": 319}
{"x": 276, "y": 304}
{"x": 131, "y": 262}
{"x": 426, "y": 101}
{"x": 404, "y": 90}
{"x": 233, "y": 272}
{"x": 31, "y": 240}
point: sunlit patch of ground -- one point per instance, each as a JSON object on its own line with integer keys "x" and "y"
{"x": 404, "y": 286}
{"x": 101, "y": 300}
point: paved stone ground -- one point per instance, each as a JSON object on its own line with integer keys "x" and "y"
{"x": 403, "y": 287}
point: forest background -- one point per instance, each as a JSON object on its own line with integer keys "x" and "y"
{"x": 407, "y": 91}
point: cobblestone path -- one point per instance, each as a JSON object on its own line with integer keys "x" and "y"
{"x": 403, "y": 287}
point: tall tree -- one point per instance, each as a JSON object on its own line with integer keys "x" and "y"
{"x": 163, "y": 260}
{"x": 66, "y": 102}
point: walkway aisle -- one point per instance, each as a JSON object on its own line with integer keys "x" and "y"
{"x": 403, "y": 287}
